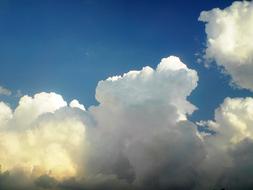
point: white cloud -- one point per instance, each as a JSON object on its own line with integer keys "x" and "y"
{"x": 229, "y": 151}
{"x": 229, "y": 40}
{"x": 234, "y": 119}
{"x": 137, "y": 137}
{"x": 75, "y": 104}
{"x": 169, "y": 84}
{"x": 5, "y": 91}
{"x": 142, "y": 133}
{"x": 41, "y": 137}
{"x": 29, "y": 108}
{"x": 5, "y": 114}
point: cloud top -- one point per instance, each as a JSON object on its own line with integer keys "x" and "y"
{"x": 229, "y": 36}
{"x": 137, "y": 137}
{"x": 169, "y": 84}
{"x": 38, "y": 139}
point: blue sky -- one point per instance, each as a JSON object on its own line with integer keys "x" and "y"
{"x": 141, "y": 131}
{"x": 68, "y": 46}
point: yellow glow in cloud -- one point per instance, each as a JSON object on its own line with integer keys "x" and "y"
{"x": 51, "y": 145}
{"x": 233, "y": 120}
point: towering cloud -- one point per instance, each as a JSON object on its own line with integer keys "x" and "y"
{"x": 137, "y": 137}
{"x": 229, "y": 36}
{"x": 142, "y": 132}
{"x": 168, "y": 85}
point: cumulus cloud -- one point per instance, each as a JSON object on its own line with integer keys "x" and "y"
{"x": 29, "y": 108}
{"x": 5, "y": 114}
{"x": 168, "y": 85}
{"x": 228, "y": 142}
{"x": 230, "y": 149}
{"x": 75, "y": 104}
{"x": 38, "y": 138}
{"x": 143, "y": 129}
{"x": 5, "y": 91}
{"x": 229, "y": 36}
{"x": 137, "y": 137}
{"x": 234, "y": 119}
{"x": 134, "y": 138}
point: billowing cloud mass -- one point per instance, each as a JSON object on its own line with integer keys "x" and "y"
{"x": 134, "y": 138}
{"x": 234, "y": 119}
{"x": 230, "y": 149}
{"x": 228, "y": 162}
{"x": 37, "y": 138}
{"x": 229, "y": 40}
{"x": 4, "y": 91}
{"x": 168, "y": 85}
{"x": 137, "y": 137}
{"x": 143, "y": 132}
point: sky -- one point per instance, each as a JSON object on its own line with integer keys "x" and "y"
{"x": 130, "y": 95}
{"x": 68, "y": 46}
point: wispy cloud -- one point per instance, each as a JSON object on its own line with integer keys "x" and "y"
{"x": 5, "y": 91}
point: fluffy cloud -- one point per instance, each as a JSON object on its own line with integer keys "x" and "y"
{"x": 30, "y": 108}
{"x": 137, "y": 137}
{"x": 5, "y": 114}
{"x": 5, "y": 91}
{"x": 39, "y": 138}
{"x": 75, "y": 104}
{"x": 168, "y": 85}
{"x": 230, "y": 149}
{"x": 234, "y": 119}
{"x": 229, "y": 36}
{"x": 229, "y": 145}
{"x": 134, "y": 138}
{"x": 142, "y": 133}
{"x": 232, "y": 123}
